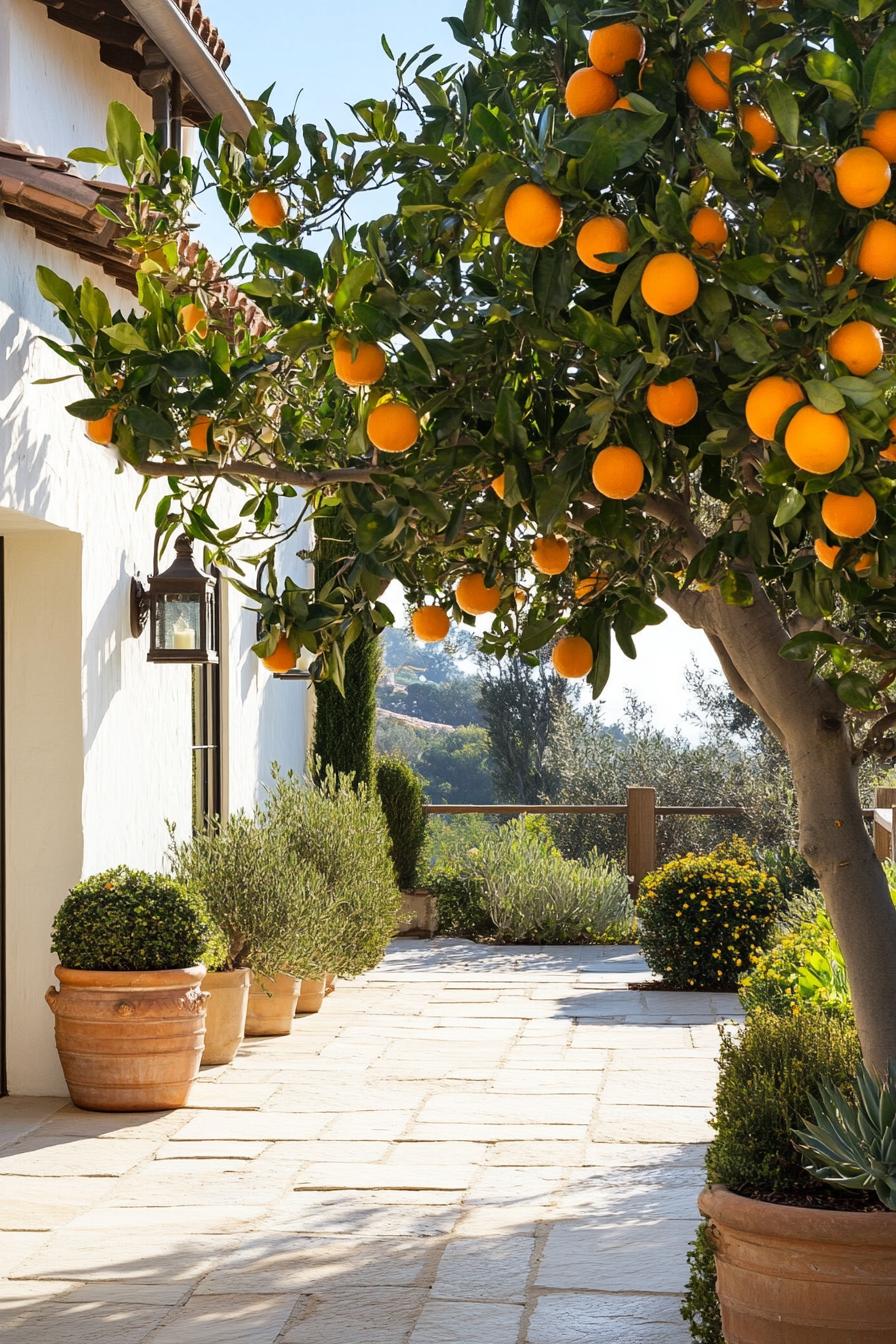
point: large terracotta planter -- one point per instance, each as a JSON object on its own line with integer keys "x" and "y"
{"x": 802, "y": 1276}
{"x": 272, "y": 1005}
{"x": 225, "y": 1018}
{"x": 312, "y": 995}
{"x": 129, "y": 1040}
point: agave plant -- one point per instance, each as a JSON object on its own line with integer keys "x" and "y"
{"x": 852, "y": 1144}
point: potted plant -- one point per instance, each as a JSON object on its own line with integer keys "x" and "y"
{"x": 256, "y": 889}
{"x": 401, "y": 794}
{"x": 332, "y": 824}
{"x": 130, "y": 1008}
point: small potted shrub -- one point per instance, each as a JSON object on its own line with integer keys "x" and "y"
{"x": 130, "y": 1010}
{"x": 255, "y": 888}
{"x": 340, "y": 832}
{"x": 401, "y": 794}
{"x": 702, "y": 918}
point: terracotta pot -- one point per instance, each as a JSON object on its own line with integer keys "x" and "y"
{"x": 272, "y": 1005}
{"x": 129, "y": 1040}
{"x": 802, "y": 1276}
{"x": 312, "y": 995}
{"x": 225, "y": 1018}
{"x": 330, "y": 982}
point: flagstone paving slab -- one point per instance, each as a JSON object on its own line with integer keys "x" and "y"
{"x": 470, "y": 1143}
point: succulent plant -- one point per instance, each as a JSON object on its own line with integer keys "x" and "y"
{"x": 852, "y": 1143}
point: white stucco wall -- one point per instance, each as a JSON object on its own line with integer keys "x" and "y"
{"x": 98, "y": 752}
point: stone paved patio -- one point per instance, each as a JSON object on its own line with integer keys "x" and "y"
{"x": 472, "y": 1144}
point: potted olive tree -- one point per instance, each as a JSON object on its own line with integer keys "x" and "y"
{"x": 339, "y": 830}
{"x": 258, "y": 890}
{"x": 130, "y": 1008}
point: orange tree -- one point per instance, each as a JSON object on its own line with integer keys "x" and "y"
{"x": 616, "y": 342}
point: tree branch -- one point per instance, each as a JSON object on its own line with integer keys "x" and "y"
{"x": 253, "y": 471}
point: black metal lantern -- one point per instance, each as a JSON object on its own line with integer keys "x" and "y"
{"x": 181, "y": 608}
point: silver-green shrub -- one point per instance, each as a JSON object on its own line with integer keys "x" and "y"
{"x": 264, "y": 898}
{"x": 852, "y": 1143}
{"x": 338, "y": 831}
{"x": 534, "y": 895}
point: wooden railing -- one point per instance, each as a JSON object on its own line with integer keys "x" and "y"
{"x": 641, "y": 813}
{"x": 639, "y": 809}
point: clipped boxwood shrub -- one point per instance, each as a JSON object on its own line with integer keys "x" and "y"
{"x": 700, "y": 1307}
{"x": 460, "y": 900}
{"x": 703, "y": 918}
{"x": 125, "y": 920}
{"x": 401, "y": 793}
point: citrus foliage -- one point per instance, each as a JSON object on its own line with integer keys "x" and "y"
{"x": 741, "y": 176}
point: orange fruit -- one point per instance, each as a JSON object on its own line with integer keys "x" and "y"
{"x": 890, "y": 451}
{"x": 533, "y": 216}
{"x": 618, "y": 472}
{"x": 864, "y": 562}
{"x": 267, "y": 209}
{"x": 590, "y": 586}
{"x": 393, "y": 427}
{"x": 498, "y": 485}
{"x": 848, "y": 515}
{"x": 610, "y": 49}
{"x": 194, "y": 318}
{"x": 709, "y": 81}
{"x": 863, "y": 176}
{"x": 474, "y": 596}
{"x": 550, "y": 555}
{"x": 430, "y": 624}
{"x": 759, "y": 126}
{"x": 858, "y": 345}
{"x": 589, "y": 92}
{"x": 361, "y": 369}
{"x": 199, "y": 433}
{"x": 623, "y": 105}
{"x": 709, "y": 232}
{"x": 100, "y": 431}
{"x": 768, "y": 401}
{"x": 826, "y": 554}
{"x": 572, "y": 657}
{"x": 673, "y": 403}
{"x": 282, "y": 659}
{"x": 669, "y": 283}
{"x": 877, "y": 251}
{"x": 597, "y": 236}
{"x": 520, "y": 596}
{"x": 816, "y": 442}
{"x": 881, "y": 134}
{"x": 834, "y": 274}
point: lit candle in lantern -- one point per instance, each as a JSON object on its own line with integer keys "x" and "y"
{"x": 184, "y": 635}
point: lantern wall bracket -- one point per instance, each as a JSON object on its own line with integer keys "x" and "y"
{"x": 139, "y": 605}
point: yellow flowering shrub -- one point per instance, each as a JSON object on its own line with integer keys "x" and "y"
{"x": 703, "y": 918}
{"x": 802, "y": 969}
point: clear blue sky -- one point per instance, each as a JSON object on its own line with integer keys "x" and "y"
{"x": 330, "y": 54}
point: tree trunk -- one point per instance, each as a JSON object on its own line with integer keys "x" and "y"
{"x": 806, "y": 716}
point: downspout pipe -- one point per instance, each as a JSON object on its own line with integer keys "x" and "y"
{"x": 175, "y": 36}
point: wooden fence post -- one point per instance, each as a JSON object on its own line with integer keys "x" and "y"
{"x": 640, "y": 826}
{"x": 884, "y": 846}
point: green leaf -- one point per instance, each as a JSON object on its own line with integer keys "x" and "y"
{"x": 784, "y": 110}
{"x": 125, "y": 136}
{"x": 299, "y": 259}
{"x": 749, "y": 343}
{"x": 600, "y": 335}
{"x": 736, "y": 589}
{"x": 859, "y": 391}
{"x": 857, "y": 691}
{"x": 836, "y": 74}
{"x": 56, "y": 290}
{"x": 552, "y": 279}
{"x": 300, "y": 337}
{"x": 806, "y": 644}
{"x": 880, "y": 69}
{"x": 718, "y": 160}
{"x": 792, "y": 503}
{"x": 95, "y": 308}
{"x": 124, "y": 337}
{"x": 823, "y": 396}
{"x": 90, "y": 408}
{"x": 628, "y": 283}
{"x": 352, "y": 285}
{"x": 143, "y": 420}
